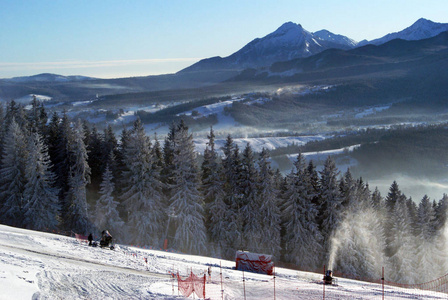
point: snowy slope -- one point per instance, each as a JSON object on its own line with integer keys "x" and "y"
{"x": 36, "y": 265}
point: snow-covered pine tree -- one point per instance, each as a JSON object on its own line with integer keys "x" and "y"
{"x": 41, "y": 204}
{"x": 359, "y": 237}
{"x": 120, "y": 164}
{"x": 302, "y": 239}
{"x": 106, "y": 214}
{"x": 12, "y": 176}
{"x": 168, "y": 159}
{"x": 250, "y": 203}
{"x": 426, "y": 252}
{"x": 17, "y": 112}
{"x": 330, "y": 201}
{"x": 37, "y": 117}
{"x": 212, "y": 189}
{"x": 76, "y": 216}
{"x": 440, "y": 239}
{"x": 62, "y": 159}
{"x": 269, "y": 211}
{"x": 186, "y": 200}
{"x": 97, "y": 159}
{"x": 110, "y": 144}
{"x": 347, "y": 189}
{"x": 230, "y": 165}
{"x": 401, "y": 245}
{"x": 142, "y": 191}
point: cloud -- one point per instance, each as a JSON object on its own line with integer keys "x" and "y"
{"x": 80, "y": 64}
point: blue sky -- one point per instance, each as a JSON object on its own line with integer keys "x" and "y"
{"x": 135, "y": 38}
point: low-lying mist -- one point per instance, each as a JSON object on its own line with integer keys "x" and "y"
{"x": 412, "y": 186}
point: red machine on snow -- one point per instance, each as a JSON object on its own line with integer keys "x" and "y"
{"x": 253, "y": 262}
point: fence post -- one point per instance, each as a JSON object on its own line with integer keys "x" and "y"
{"x": 382, "y": 281}
{"x": 274, "y": 281}
{"x": 220, "y": 274}
{"x": 244, "y": 286}
{"x": 172, "y": 279}
{"x": 323, "y": 284}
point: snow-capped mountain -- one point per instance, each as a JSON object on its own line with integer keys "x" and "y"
{"x": 421, "y": 29}
{"x": 288, "y": 42}
{"x": 338, "y": 39}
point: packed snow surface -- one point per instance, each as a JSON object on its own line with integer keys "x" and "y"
{"x": 36, "y": 265}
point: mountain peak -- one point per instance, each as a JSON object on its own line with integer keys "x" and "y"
{"x": 423, "y": 21}
{"x": 421, "y": 29}
{"x": 288, "y": 27}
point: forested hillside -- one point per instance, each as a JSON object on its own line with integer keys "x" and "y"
{"x": 65, "y": 174}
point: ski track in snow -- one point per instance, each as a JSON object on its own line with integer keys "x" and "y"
{"x": 36, "y": 265}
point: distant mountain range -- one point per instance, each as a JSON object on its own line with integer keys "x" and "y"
{"x": 48, "y": 77}
{"x": 422, "y": 29}
{"x": 286, "y": 52}
{"x": 291, "y": 41}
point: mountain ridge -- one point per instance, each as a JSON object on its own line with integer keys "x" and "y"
{"x": 420, "y": 29}
{"x": 287, "y": 42}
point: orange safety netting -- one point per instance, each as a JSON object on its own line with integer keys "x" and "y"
{"x": 437, "y": 285}
{"x": 192, "y": 284}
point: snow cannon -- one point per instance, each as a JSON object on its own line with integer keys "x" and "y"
{"x": 328, "y": 278}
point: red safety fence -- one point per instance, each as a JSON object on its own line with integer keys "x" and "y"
{"x": 192, "y": 284}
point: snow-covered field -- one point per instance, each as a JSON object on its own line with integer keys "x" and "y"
{"x": 257, "y": 144}
{"x": 36, "y": 265}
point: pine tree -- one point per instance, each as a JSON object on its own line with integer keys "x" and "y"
{"x": 401, "y": 245}
{"x": 12, "y": 176}
{"x": 142, "y": 192}
{"x": 359, "y": 240}
{"x": 302, "y": 240}
{"x": 186, "y": 200}
{"x": 393, "y": 196}
{"x": 269, "y": 210}
{"x": 97, "y": 159}
{"x": 62, "y": 160}
{"x": 37, "y": 117}
{"x": 250, "y": 203}
{"x": 76, "y": 216}
{"x": 40, "y": 197}
{"x": 348, "y": 189}
{"x": 212, "y": 189}
{"x": 106, "y": 214}
{"x": 230, "y": 165}
{"x": 330, "y": 201}
{"x": 426, "y": 252}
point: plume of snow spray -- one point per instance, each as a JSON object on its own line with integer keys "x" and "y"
{"x": 357, "y": 247}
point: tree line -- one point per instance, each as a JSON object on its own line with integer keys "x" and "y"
{"x": 57, "y": 173}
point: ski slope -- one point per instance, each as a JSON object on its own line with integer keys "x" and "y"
{"x": 36, "y": 265}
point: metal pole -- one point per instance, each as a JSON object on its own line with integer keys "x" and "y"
{"x": 274, "y": 280}
{"x": 323, "y": 281}
{"x": 382, "y": 281}
{"x": 172, "y": 275}
{"x": 244, "y": 286}
{"x": 220, "y": 274}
